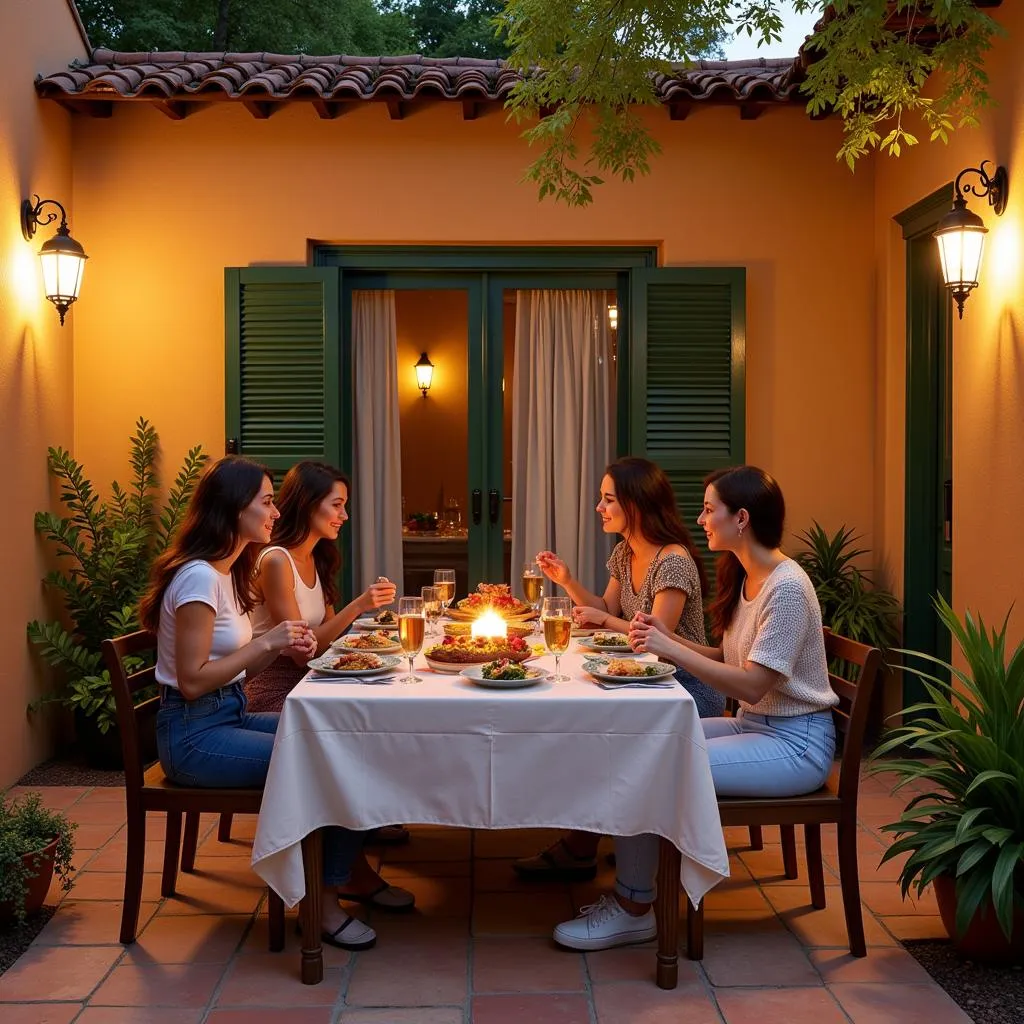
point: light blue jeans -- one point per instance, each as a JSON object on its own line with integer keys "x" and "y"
{"x": 750, "y": 755}
{"x": 213, "y": 741}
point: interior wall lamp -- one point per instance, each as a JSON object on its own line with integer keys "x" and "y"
{"x": 613, "y": 317}
{"x": 961, "y": 234}
{"x": 61, "y": 257}
{"x": 424, "y": 373}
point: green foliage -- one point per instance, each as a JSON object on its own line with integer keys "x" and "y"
{"x": 850, "y": 605}
{"x": 26, "y": 826}
{"x": 110, "y": 547}
{"x": 447, "y": 28}
{"x": 970, "y": 732}
{"x": 590, "y": 62}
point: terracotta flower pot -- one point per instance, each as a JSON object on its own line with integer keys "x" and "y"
{"x": 983, "y": 941}
{"x": 40, "y": 862}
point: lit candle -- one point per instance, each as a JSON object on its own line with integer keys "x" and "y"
{"x": 490, "y": 623}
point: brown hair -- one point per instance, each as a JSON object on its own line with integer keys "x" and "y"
{"x": 649, "y": 504}
{"x": 758, "y": 492}
{"x": 210, "y": 532}
{"x": 305, "y": 486}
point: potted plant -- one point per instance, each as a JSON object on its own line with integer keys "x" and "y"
{"x": 35, "y": 843}
{"x": 108, "y": 548}
{"x": 965, "y": 834}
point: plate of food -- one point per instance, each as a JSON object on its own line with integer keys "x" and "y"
{"x": 628, "y": 670}
{"x": 453, "y": 654}
{"x": 354, "y": 663}
{"x": 491, "y": 597}
{"x": 380, "y": 641}
{"x": 385, "y": 619}
{"x": 464, "y": 628}
{"x": 578, "y": 631}
{"x": 503, "y": 674}
{"x": 612, "y": 643}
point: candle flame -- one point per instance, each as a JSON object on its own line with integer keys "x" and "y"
{"x": 490, "y": 623}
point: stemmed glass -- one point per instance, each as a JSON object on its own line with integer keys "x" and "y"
{"x": 410, "y": 632}
{"x": 431, "y": 606}
{"x": 556, "y": 615}
{"x": 444, "y": 580}
{"x": 533, "y": 587}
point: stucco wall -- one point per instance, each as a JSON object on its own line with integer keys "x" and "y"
{"x": 36, "y": 354}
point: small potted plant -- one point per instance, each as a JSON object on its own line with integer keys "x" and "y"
{"x": 35, "y": 844}
{"x": 965, "y": 832}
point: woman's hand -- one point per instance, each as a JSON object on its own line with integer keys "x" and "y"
{"x": 646, "y": 636}
{"x": 553, "y": 567}
{"x": 377, "y": 595}
{"x": 292, "y": 634}
{"x": 582, "y": 615}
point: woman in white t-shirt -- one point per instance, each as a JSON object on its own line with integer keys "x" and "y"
{"x": 197, "y": 603}
{"x": 771, "y": 659}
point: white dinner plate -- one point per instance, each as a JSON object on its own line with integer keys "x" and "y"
{"x": 596, "y": 668}
{"x": 370, "y": 624}
{"x": 344, "y": 643}
{"x": 323, "y": 665}
{"x": 475, "y": 673}
{"x": 587, "y": 643}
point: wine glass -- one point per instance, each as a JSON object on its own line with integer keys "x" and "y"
{"x": 556, "y": 615}
{"x": 533, "y": 587}
{"x": 431, "y": 606}
{"x": 410, "y": 632}
{"x": 444, "y": 580}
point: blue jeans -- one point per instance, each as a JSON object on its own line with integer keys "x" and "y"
{"x": 214, "y": 742}
{"x": 750, "y": 755}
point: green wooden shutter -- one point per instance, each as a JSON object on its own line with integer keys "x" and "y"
{"x": 283, "y": 368}
{"x": 687, "y": 339}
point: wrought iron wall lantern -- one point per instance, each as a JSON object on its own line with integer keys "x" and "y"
{"x": 961, "y": 233}
{"x": 61, "y": 257}
{"x": 424, "y": 373}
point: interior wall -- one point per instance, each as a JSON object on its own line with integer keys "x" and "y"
{"x": 36, "y": 355}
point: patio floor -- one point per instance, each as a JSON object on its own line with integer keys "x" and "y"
{"x": 476, "y": 950}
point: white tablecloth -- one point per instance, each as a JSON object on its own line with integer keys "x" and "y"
{"x": 448, "y": 752}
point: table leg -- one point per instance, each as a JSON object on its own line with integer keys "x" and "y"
{"x": 666, "y": 910}
{"x": 310, "y": 910}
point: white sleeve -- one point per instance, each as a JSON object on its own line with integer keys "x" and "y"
{"x": 195, "y": 583}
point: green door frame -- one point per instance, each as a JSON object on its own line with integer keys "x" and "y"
{"x": 928, "y": 372}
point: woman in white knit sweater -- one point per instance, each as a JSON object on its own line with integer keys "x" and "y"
{"x": 771, "y": 659}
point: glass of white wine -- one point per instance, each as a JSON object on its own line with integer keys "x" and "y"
{"x": 556, "y": 616}
{"x": 533, "y": 586}
{"x": 410, "y": 632}
{"x": 431, "y": 606}
{"x": 444, "y": 580}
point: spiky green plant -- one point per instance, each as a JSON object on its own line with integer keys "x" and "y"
{"x": 110, "y": 546}
{"x": 970, "y": 823}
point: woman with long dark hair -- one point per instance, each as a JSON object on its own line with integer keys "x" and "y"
{"x": 197, "y": 603}
{"x": 655, "y": 569}
{"x": 770, "y": 657}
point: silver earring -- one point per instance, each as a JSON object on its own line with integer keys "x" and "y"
{"x": 739, "y": 531}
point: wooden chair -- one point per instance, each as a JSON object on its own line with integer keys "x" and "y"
{"x": 148, "y": 789}
{"x": 835, "y": 802}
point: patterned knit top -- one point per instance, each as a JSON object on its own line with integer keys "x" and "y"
{"x": 781, "y": 629}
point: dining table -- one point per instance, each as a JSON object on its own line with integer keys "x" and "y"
{"x": 372, "y": 751}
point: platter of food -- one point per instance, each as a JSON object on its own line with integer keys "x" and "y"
{"x": 385, "y": 619}
{"x": 463, "y": 629}
{"x": 628, "y": 670}
{"x": 495, "y": 597}
{"x": 380, "y": 641}
{"x": 453, "y": 654}
{"x": 354, "y": 663}
{"x": 611, "y": 643}
{"x": 503, "y": 674}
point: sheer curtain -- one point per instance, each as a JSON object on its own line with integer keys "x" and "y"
{"x": 376, "y": 503}
{"x": 563, "y": 425}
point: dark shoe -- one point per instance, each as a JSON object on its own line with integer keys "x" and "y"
{"x": 557, "y": 864}
{"x": 387, "y": 835}
{"x": 351, "y": 934}
{"x": 385, "y": 897}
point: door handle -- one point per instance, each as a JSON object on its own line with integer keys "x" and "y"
{"x": 947, "y": 511}
{"x": 231, "y": 446}
{"x": 477, "y": 505}
{"x": 494, "y": 504}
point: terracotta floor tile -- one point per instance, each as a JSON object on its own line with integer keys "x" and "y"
{"x": 884, "y": 898}
{"x": 745, "y": 958}
{"x": 211, "y": 846}
{"x": 914, "y": 926}
{"x": 525, "y": 965}
{"x": 436, "y": 897}
{"x": 505, "y": 844}
{"x": 57, "y": 972}
{"x": 505, "y": 913}
{"x": 177, "y": 986}
{"x": 92, "y": 837}
{"x": 882, "y": 964}
{"x": 258, "y": 936}
{"x": 898, "y": 1004}
{"x": 109, "y": 813}
{"x": 40, "y": 1013}
{"x": 88, "y": 923}
{"x": 779, "y": 1006}
{"x": 139, "y": 1015}
{"x": 766, "y": 866}
{"x": 272, "y": 979}
{"x": 431, "y": 844}
{"x": 289, "y": 1015}
{"x": 547, "y": 1009}
{"x": 737, "y": 897}
{"x": 103, "y": 794}
{"x": 216, "y": 892}
{"x": 420, "y": 1015}
{"x": 57, "y": 798}
{"x": 109, "y": 885}
{"x": 111, "y": 857}
{"x": 177, "y": 939}
{"x": 425, "y": 869}
{"x": 433, "y": 968}
{"x": 640, "y": 1002}
{"x": 821, "y": 927}
{"x": 635, "y": 963}
{"x": 496, "y": 875}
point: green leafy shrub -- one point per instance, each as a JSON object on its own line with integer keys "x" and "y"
{"x": 108, "y": 547}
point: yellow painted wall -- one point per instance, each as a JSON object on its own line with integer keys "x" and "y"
{"x": 988, "y": 351}
{"x": 36, "y": 354}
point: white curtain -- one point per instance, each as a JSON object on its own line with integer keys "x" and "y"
{"x": 563, "y": 423}
{"x": 376, "y": 505}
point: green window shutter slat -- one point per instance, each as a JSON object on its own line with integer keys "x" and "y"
{"x": 687, "y": 341}
{"x": 282, "y": 373}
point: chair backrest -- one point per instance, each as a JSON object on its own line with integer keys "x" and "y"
{"x": 851, "y": 714}
{"x": 135, "y": 722}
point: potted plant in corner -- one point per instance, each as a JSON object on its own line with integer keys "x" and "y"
{"x": 107, "y": 548}
{"x": 35, "y": 844}
{"x": 965, "y": 833}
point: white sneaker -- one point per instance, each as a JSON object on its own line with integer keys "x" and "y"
{"x": 606, "y": 924}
